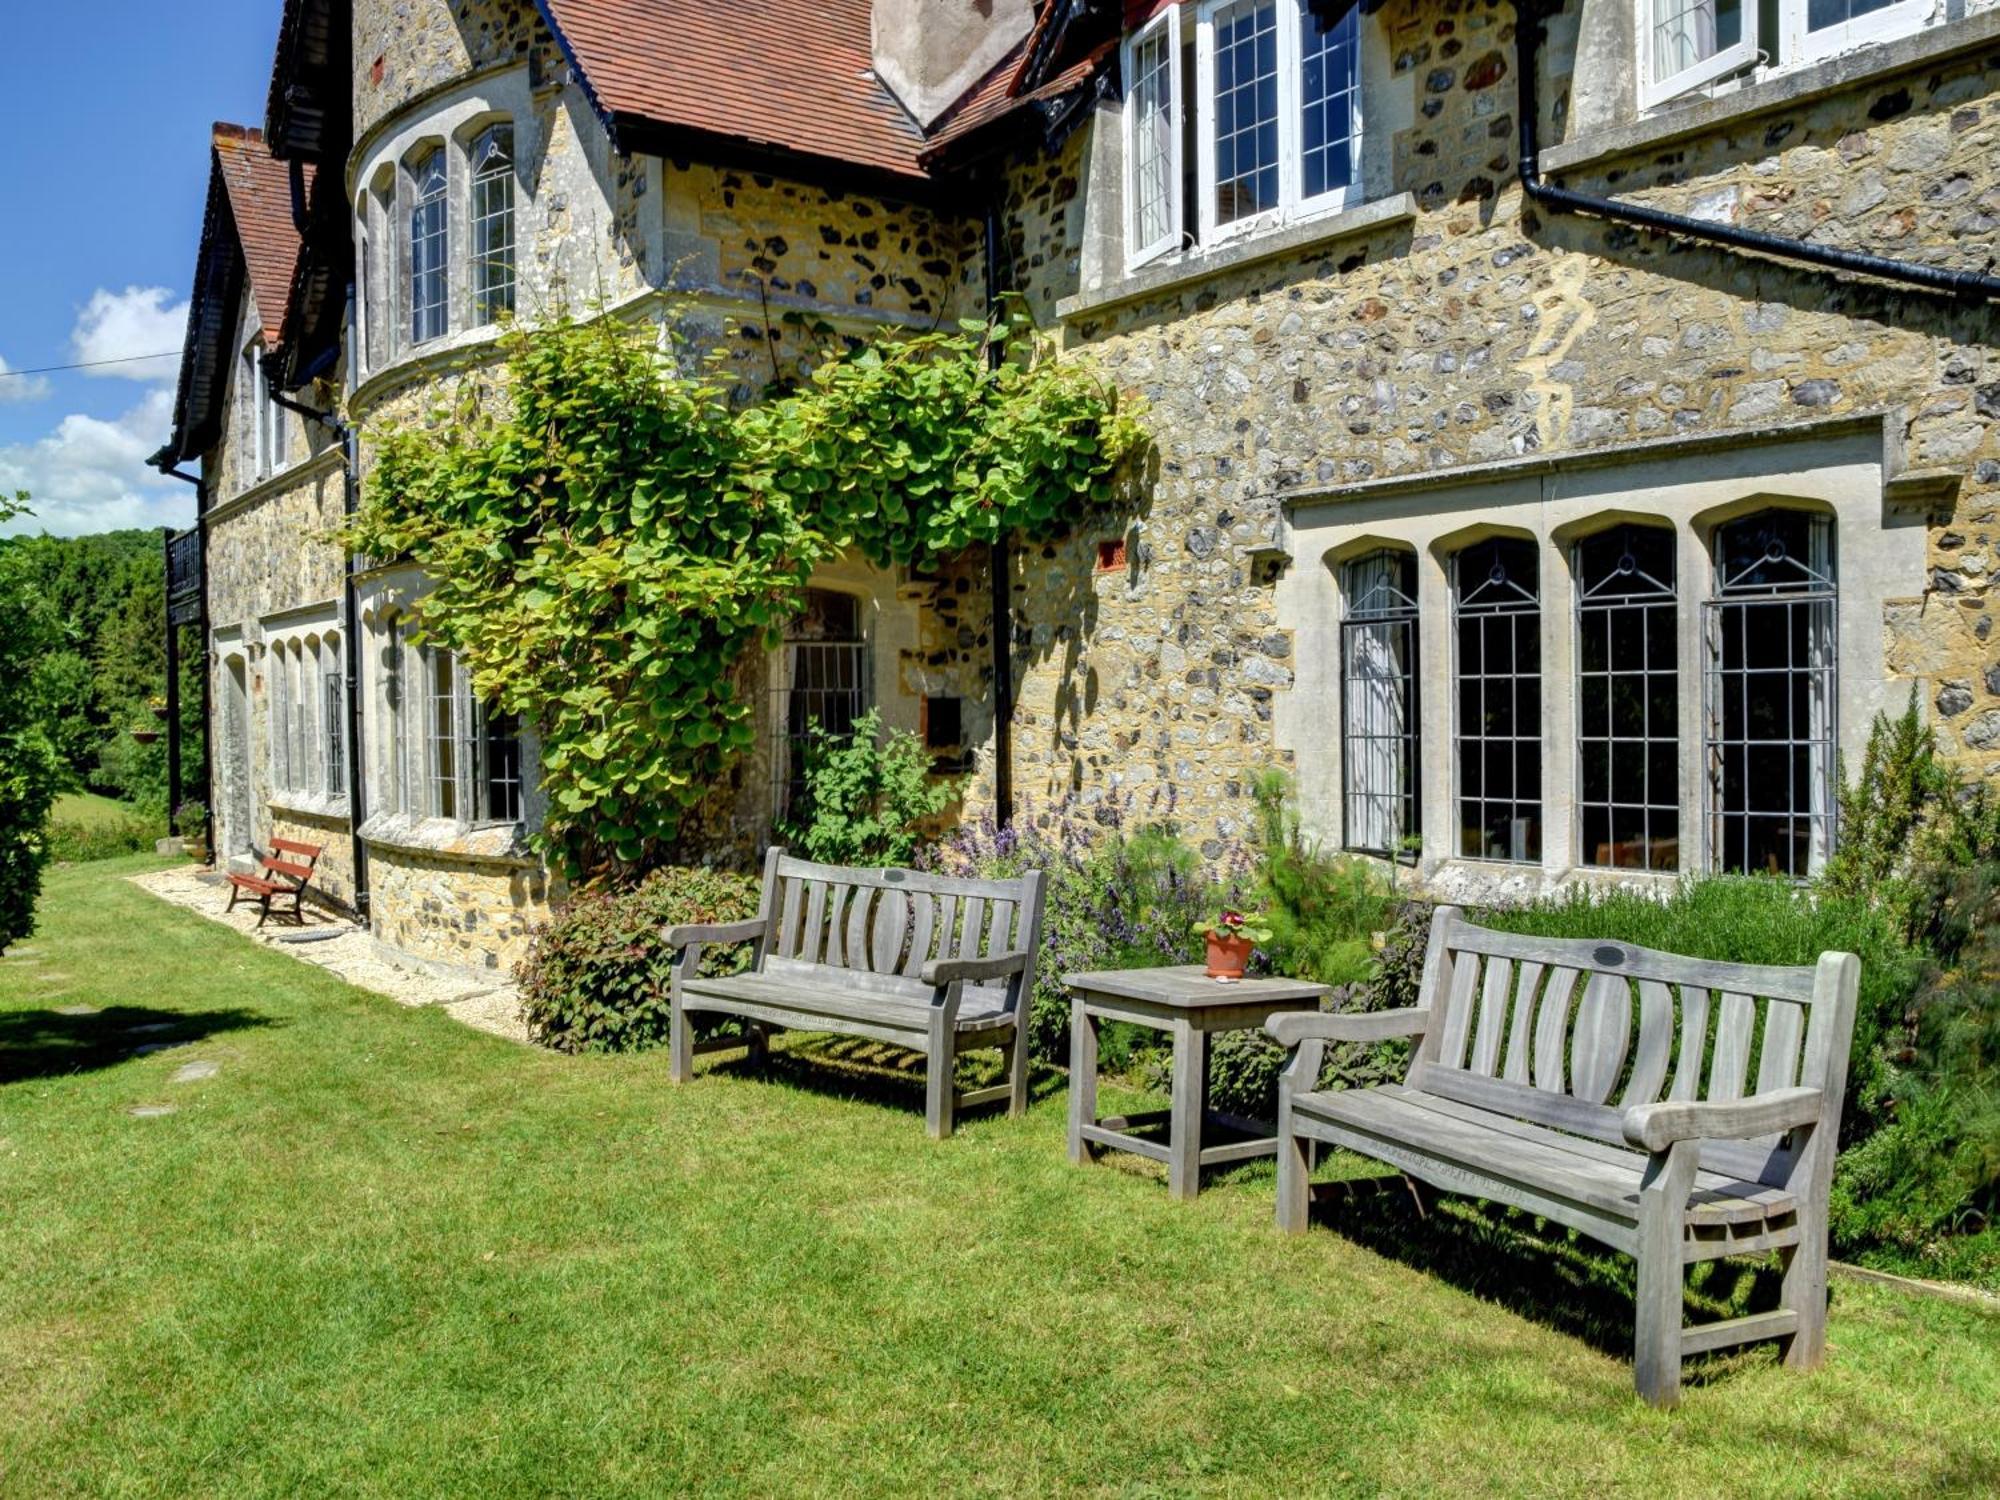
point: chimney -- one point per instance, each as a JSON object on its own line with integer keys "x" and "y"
{"x": 929, "y": 52}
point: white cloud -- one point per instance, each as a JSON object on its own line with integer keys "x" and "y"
{"x": 20, "y": 387}
{"x": 141, "y": 320}
{"x": 91, "y": 475}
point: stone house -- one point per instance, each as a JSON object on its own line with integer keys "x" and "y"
{"x": 1535, "y": 538}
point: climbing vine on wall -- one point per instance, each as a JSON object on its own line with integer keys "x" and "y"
{"x": 608, "y": 532}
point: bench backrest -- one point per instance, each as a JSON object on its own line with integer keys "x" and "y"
{"x": 1570, "y": 1033}
{"x": 883, "y": 926}
{"x": 291, "y": 869}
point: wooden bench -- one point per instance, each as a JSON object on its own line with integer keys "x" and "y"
{"x": 1714, "y": 1135}
{"x": 936, "y": 964}
{"x": 282, "y": 879}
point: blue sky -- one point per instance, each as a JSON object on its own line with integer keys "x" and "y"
{"x": 105, "y": 107}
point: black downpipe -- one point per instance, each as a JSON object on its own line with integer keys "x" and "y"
{"x": 1970, "y": 285}
{"x": 1001, "y": 568}
{"x": 207, "y": 667}
{"x": 350, "y": 634}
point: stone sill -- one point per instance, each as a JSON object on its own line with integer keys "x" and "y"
{"x": 1191, "y": 268}
{"x": 492, "y": 844}
{"x": 293, "y": 476}
{"x": 1700, "y": 116}
{"x": 305, "y": 805}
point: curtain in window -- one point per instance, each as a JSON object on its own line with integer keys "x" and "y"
{"x": 1379, "y": 729}
{"x": 1820, "y": 637}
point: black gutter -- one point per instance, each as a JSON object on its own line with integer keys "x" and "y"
{"x": 1001, "y": 566}
{"x": 1969, "y": 285}
{"x": 350, "y": 633}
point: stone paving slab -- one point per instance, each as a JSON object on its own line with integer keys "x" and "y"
{"x": 348, "y": 953}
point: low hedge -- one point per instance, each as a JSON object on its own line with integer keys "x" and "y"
{"x": 596, "y": 976}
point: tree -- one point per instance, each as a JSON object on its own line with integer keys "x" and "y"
{"x": 28, "y": 769}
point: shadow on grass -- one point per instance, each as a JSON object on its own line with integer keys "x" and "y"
{"x": 50, "y": 1044}
{"x": 876, "y": 1073}
{"x": 1533, "y": 1267}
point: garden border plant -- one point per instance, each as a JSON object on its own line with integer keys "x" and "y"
{"x": 609, "y": 532}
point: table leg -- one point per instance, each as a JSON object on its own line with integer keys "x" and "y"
{"x": 1190, "y": 1083}
{"x": 1082, "y": 1077}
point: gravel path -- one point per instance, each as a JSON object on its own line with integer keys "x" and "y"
{"x": 346, "y": 951}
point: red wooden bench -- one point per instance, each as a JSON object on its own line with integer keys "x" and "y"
{"x": 282, "y": 878}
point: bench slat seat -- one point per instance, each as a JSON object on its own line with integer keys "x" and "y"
{"x": 929, "y": 962}
{"x": 282, "y": 880}
{"x": 1675, "y": 1109}
{"x": 1602, "y": 1178}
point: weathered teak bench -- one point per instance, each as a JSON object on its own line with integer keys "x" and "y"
{"x": 1525, "y": 1087}
{"x": 935, "y": 964}
{"x": 282, "y": 879}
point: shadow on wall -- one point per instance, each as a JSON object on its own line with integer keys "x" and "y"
{"x": 52, "y": 1044}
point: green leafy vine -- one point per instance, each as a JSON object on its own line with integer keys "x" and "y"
{"x": 608, "y": 533}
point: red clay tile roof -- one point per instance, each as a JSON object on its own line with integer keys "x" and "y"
{"x": 795, "y": 75}
{"x": 260, "y": 200}
{"x": 993, "y": 99}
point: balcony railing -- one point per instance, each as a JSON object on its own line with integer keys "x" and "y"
{"x": 184, "y": 577}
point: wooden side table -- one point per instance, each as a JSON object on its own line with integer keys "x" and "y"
{"x": 1189, "y": 1006}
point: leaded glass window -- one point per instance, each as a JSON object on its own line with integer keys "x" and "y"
{"x": 1379, "y": 736}
{"x": 429, "y": 296}
{"x": 1771, "y": 640}
{"x": 1329, "y": 98}
{"x": 1244, "y": 100}
{"x": 492, "y": 224}
{"x": 1628, "y": 699}
{"x": 1497, "y": 621}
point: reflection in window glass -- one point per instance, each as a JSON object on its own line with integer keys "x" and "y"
{"x": 1246, "y": 109}
{"x": 1329, "y": 97}
{"x": 428, "y": 297}
{"x": 1379, "y": 732}
{"x": 492, "y": 224}
{"x": 1497, "y": 620}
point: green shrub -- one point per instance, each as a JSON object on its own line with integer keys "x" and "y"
{"x": 85, "y": 829}
{"x": 29, "y": 768}
{"x": 1907, "y": 827}
{"x": 596, "y": 975}
{"x": 1324, "y": 909}
{"x": 1757, "y": 920}
{"x": 868, "y": 795}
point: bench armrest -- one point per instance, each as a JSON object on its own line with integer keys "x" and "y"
{"x": 1654, "y": 1127}
{"x": 680, "y": 935}
{"x": 944, "y": 970}
{"x": 1297, "y": 1026}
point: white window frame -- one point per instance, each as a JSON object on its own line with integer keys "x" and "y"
{"x": 1721, "y": 64}
{"x": 1292, "y": 207}
{"x": 1169, "y": 21}
{"x": 1801, "y": 44}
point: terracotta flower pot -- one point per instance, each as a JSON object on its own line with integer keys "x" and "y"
{"x": 1228, "y": 956}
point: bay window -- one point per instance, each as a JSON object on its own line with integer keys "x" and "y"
{"x": 1379, "y": 739}
{"x": 1497, "y": 613}
{"x": 429, "y": 296}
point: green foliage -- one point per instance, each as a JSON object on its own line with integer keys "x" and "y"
{"x": 1756, "y": 920}
{"x": 1324, "y": 908}
{"x": 29, "y": 771}
{"x": 84, "y": 828}
{"x": 610, "y": 536}
{"x": 1908, "y": 825}
{"x": 596, "y": 976}
{"x": 868, "y": 795}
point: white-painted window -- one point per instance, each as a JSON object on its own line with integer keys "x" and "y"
{"x": 1497, "y": 675}
{"x": 333, "y": 720}
{"x": 1772, "y": 674}
{"x": 1155, "y": 214}
{"x": 267, "y": 432}
{"x": 1274, "y": 115}
{"x": 429, "y": 277}
{"x": 492, "y": 224}
{"x": 1687, "y": 44}
{"x": 1380, "y": 740}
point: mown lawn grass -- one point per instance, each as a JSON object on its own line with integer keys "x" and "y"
{"x": 378, "y": 1253}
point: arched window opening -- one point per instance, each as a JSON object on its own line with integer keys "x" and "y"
{"x": 1379, "y": 736}
{"x": 1496, "y": 601}
{"x": 1628, "y": 699}
{"x": 429, "y": 298}
{"x": 1772, "y": 663}
{"x": 492, "y": 224}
